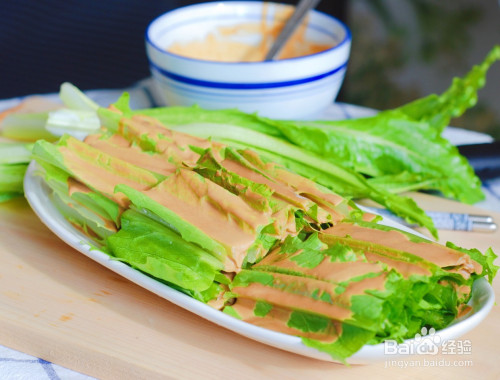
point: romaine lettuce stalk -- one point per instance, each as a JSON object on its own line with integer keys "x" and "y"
{"x": 157, "y": 250}
{"x": 89, "y": 210}
{"x": 74, "y": 98}
{"x": 356, "y": 284}
{"x": 264, "y": 244}
{"x": 251, "y": 206}
{"x": 333, "y": 176}
{"x": 27, "y": 127}
{"x": 90, "y": 203}
{"x": 336, "y": 154}
{"x": 14, "y": 159}
{"x": 95, "y": 169}
{"x": 11, "y": 182}
{"x": 401, "y": 149}
{"x": 405, "y": 141}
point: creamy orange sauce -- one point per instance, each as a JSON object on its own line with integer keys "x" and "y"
{"x": 443, "y": 256}
{"x": 326, "y": 270}
{"x": 219, "y": 302}
{"x": 290, "y": 187}
{"x": 231, "y": 43}
{"x": 277, "y": 320}
{"x": 235, "y": 221}
{"x": 279, "y": 189}
{"x": 173, "y": 144}
{"x": 284, "y": 222}
{"x": 75, "y": 186}
{"x": 406, "y": 269}
{"x": 220, "y": 214}
{"x": 463, "y": 310}
{"x": 177, "y": 144}
{"x": 82, "y": 161}
{"x": 115, "y": 146}
{"x": 296, "y": 292}
{"x": 301, "y": 186}
{"x": 278, "y": 297}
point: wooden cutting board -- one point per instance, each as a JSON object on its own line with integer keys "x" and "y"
{"x": 58, "y": 305}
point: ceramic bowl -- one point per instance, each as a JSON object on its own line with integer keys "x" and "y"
{"x": 292, "y": 88}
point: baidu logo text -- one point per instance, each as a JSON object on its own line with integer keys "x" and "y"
{"x": 425, "y": 343}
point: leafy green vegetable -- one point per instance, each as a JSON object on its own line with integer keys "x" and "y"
{"x": 162, "y": 253}
{"x": 333, "y": 176}
{"x": 78, "y": 123}
{"x": 246, "y": 277}
{"x": 12, "y": 178}
{"x": 74, "y": 98}
{"x": 230, "y": 311}
{"x": 93, "y": 212}
{"x": 308, "y": 322}
{"x": 15, "y": 153}
{"x": 310, "y": 255}
{"x": 382, "y": 146}
{"x": 462, "y": 94}
{"x": 303, "y": 257}
{"x": 376, "y": 291}
{"x": 262, "y": 308}
{"x": 329, "y": 174}
{"x": 26, "y": 127}
{"x": 77, "y": 159}
{"x": 189, "y": 232}
{"x": 486, "y": 260}
{"x": 89, "y": 221}
{"x": 405, "y": 141}
{"x": 350, "y": 341}
{"x": 14, "y": 159}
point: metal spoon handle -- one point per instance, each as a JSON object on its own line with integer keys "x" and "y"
{"x": 293, "y": 22}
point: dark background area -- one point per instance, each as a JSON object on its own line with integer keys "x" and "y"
{"x": 401, "y": 49}
{"x": 90, "y": 43}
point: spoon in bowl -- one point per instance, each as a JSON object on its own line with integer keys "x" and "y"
{"x": 293, "y": 22}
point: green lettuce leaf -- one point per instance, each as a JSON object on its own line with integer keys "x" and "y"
{"x": 382, "y": 146}
{"x": 333, "y": 176}
{"x": 159, "y": 251}
{"x": 82, "y": 206}
{"x": 486, "y": 260}
{"x": 11, "y": 178}
{"x": 26, "y": 127}
{"x": 351, "y": 340}
{"x": 438, "y": 110}
{"x": 403, "y": 140}
{"x": 15, "y": 153}
{"x": 315, "y": 267}
{"x": 91, "y": 223}
{"x": 187, "y": 231}
{"x": 78, "y": 159}
{"x": 14, "y": 159}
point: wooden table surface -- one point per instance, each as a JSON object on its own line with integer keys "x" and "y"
{"x": 59, "y": 305}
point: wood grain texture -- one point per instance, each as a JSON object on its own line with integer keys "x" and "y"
{"x": 59, "y": 305}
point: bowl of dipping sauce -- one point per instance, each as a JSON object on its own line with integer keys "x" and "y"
{"x": 212, "y": 55}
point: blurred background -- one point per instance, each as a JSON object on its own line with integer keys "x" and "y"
{"x": 401, "y": 50}
{"x": 406, "y": 49}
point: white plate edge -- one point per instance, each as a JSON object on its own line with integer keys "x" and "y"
{"x": 36, "y": 191}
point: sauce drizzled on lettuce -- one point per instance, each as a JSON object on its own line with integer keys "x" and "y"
{"x": 248, "y": 236}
